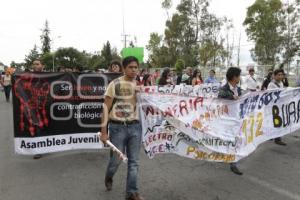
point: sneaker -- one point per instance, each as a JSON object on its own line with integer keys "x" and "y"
{"x": 279, "y": 142}
{"x": 134, "y": 196}
{"x": 37, "y": 156}
{"x": 235, "y": 170}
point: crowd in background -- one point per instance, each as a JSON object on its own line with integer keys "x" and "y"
{"x": 190, "y": 76}
{"x": 166, "y": 76}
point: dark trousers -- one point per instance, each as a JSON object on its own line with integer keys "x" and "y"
{"x": 7, "y": 90}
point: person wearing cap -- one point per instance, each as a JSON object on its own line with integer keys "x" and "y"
{"x": 251, "y": 81}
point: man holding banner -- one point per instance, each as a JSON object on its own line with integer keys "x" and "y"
{"x": 231, "y": 91}
{"x": 37, "y": 66}
{"x": 277, "y": 83}
{"x": 125, "y": 130}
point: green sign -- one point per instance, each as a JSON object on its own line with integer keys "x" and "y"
{"x": 137, "y": 52}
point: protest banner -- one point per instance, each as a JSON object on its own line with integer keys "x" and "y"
{"x": 204, "y": 90}
{"x": 213, "y": 129}
{"x": 57, "y": 111}
{"x": 60, "y": 111}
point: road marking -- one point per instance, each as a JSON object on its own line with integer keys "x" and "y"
{"x": 274, "y": 188}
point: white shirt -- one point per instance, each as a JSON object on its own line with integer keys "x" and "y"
{"x": 6, "y": 80}
{"x": 275, "y": 85}
{"x": 223, "y": 82}
{"x": 251, "y": 82}
{"x": 234, "y": 89}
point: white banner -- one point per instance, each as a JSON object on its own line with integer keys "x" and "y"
{"x": 55, "y": 143}
{"x": 204, "y": 90}
{"x": 214, "y": 129}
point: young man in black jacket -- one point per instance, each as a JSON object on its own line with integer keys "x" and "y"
{"x": 231, "y": 91}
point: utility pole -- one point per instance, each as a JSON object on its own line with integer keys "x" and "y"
{"x": 124, "y": 35}
{"x": 53, "y": 56}
{"x": 239, "y": 50}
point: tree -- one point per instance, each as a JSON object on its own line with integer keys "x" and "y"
{"x": 70, "y": 58}
{"x": 106, "y": 53}
{"x": 212, "y": 49}
{"x": 206, "y": 52}
{"x": 227, "y": 55}
{"x": 179, "y": 66}
{"x": 32, "y": 56}
{"x": 264, "y": 25}
{"x": 102, "y": 60}
{"x": 291, "y": 33}
{"x": 157, "y": 53}
{"x": 13, "y": 64}
{"x": 47, "y": 59}
{"x": 17, "y": 66}
{"x": 167, "y": 4}
{"x": 96, "y": 62}
{"x": 115, "y": 54}
{"x": 192, "y": 34}
{"x": 180, "y": 40}
{"x": 45, "y": 39}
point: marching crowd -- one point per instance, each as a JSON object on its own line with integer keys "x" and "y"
{"x": 121, "y": 124}
{"x": 123, "y": 127}
{"x": 190, "y": 76}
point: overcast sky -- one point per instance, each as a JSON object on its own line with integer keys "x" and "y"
{"x": 87, "y": 24}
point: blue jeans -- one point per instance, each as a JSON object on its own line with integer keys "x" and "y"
{"x": 127, "y": 138}
{"x": 7, "y": 90}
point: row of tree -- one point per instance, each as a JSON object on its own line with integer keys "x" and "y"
{"x": 274, "y": 27}
{"x": 193, "y": 35}
{"x": 69, "y": 57}
{"x": 198, "y": 37}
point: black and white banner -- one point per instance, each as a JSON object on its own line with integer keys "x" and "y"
{"x": 58, "y": 111}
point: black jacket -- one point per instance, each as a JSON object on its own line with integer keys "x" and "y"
{"x": 226, "y": 93}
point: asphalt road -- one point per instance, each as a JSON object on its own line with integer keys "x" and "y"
{"x": 271, "y": 173}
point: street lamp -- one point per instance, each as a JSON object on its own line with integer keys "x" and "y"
{"x": 53, "y": 57}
